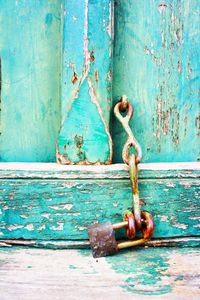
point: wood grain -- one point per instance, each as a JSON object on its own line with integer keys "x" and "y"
{"x": 62, "y": 208}
{"x": 86, "y": 96}
{"x": 114, "y": 171}
{"x": 30, "y": 52}
{"x": 156, "y": 64}
{"x": 139, "y": 274}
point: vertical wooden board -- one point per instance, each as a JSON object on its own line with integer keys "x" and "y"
{"x": 86, "y": 83}
{"x": 100, "y": 37}
{"x": 72, "y": 51}
{"x": 156, "y": 62}
{"x": 30, "y": 50}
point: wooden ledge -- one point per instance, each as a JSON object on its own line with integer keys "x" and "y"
{"x": 120, "y": 171}
{"x": 50, "y": 201}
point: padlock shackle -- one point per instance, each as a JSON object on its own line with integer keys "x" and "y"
{"x": 120, "y": 225}
{"x": 147, "y": 231}
{"x": 129, "y": 244}
{"x": 124, "y": 224}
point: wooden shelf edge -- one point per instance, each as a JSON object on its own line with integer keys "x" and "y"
{"x": 120, "y": 171}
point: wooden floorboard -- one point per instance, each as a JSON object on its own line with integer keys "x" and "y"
{"x": 160, "y": 273}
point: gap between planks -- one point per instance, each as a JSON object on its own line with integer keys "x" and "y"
{"x": 84, "y": 244}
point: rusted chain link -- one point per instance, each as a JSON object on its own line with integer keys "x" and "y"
{"x": 147, "y": 225}
{"x": 131, "y": 230}
{"x": 147, "y": 232}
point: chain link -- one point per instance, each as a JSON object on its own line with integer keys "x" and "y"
{"x": 142, "y": 220}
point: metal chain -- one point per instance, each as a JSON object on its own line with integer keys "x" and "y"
{"x": 102, "y": 237}
{"x": 130, "y": 159}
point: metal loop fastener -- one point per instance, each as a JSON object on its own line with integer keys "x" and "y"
{"x": 131, "y": 230}
{"x": 147, "y": 232}
{"x": 131, "y": 141}
{"x": 147, "y": 225}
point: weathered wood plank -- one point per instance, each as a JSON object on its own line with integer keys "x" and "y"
{"x": 114, "y": 171}
{"x": 62, "y": 209}
{"x": 84, "y": 137}
{"x": 138, "y": 274}
{"x": 30, "y": 53}
{"x": 156, "y": 64}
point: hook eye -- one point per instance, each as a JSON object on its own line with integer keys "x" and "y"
{"x": 119, "y": 107}
{"x": 124, "y": 101}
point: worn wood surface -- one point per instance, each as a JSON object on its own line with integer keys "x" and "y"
{"x": 156, "y": 64}
{"x": 84, "y": 137}
{"x": 181, "y": 242}
{"x": 71, "y": 274}
{"x": 61, "y": 208}
{"x": 114, "y": 171}
{"x": 30, "y": 54}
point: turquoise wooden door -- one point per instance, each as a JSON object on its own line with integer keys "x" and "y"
{"x": 157, "y": 69}
{"x": 30, "y": 47}
{"x": 57, "y": 83}
{"x": 51, "y": 54}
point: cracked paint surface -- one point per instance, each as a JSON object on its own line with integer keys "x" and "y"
{"x": 156, "y": 59}
{"x": 86, "y": 87}
{"x": 29, "y": 214}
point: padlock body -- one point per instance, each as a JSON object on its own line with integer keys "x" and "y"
{"x": 102, "y": 239}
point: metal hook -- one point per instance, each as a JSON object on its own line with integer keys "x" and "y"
{"x": 131, "y": 141}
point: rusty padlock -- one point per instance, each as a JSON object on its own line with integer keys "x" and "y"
{"x": 102, "y": 236}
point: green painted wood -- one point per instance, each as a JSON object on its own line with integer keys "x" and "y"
{"x": 84, "y": 137}
{"x": 140, "y": 274}
{"x": 62, "y": 208}
{"x": 114, "y": 171}
{"x": 30, "y": 52}
{"x": 156, "y": 64}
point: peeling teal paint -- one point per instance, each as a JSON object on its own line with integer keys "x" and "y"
{"x": 156, "y": 64}
{"x": 86, "y": 83}
{"x": 84, "y": 132}
{"x": 62, "y": 209}
{"x": 72, "y": 267}
{"x": 155, "y": 59}
{"x": 144, "y": 270}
